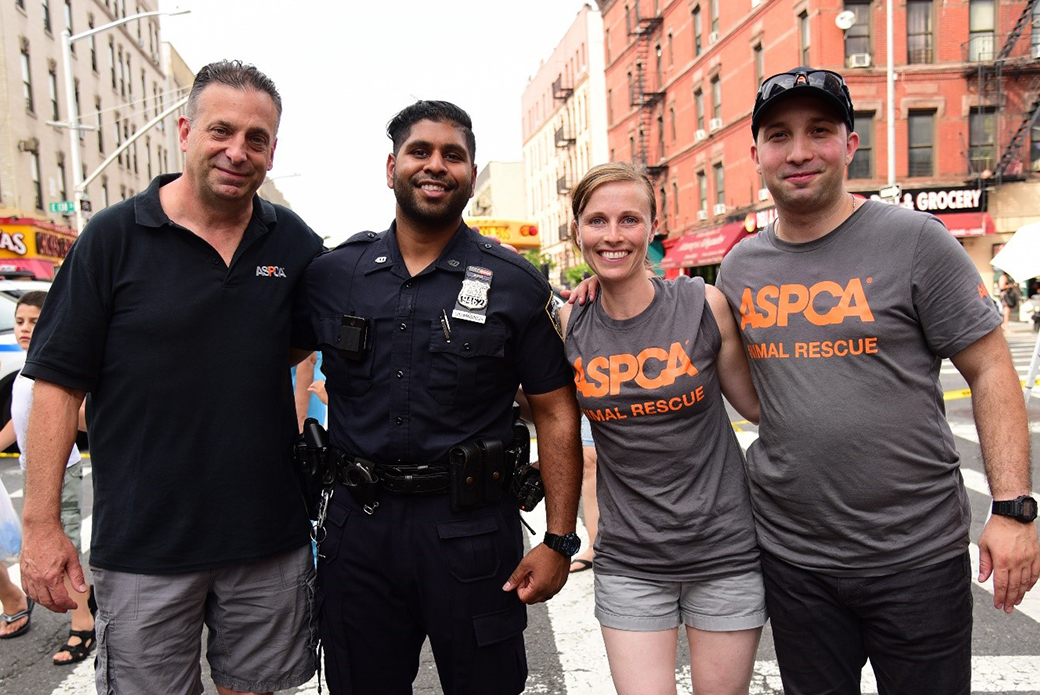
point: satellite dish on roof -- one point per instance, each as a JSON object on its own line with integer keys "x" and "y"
{"x": 845, "y": 20}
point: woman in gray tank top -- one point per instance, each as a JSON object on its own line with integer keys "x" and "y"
{"x": 676, "y": 543}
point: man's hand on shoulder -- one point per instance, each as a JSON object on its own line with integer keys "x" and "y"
{"x": 584, "y": 292}
{"x": 1009, "y": 551}
{"x": 539, "y": 576}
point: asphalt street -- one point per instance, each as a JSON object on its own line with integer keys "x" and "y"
{"x": 565, "y": 650}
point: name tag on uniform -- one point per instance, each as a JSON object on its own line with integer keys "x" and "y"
{"x": 472, "y": 302}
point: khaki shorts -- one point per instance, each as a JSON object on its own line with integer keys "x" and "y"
{"x": 261, "y": 632}
{"x": 714, "y": 605}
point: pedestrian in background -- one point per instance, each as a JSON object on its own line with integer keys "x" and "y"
{"x": 164, "y": 300}
{"x": 677, "y": 540}
{"x": 1010, "y": 296}
{"x": 82, "y": 637}
{"x": 427, "y": 330}
{"x": 847, "y": 308}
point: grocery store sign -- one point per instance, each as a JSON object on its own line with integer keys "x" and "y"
{"x": 937, "y": 200}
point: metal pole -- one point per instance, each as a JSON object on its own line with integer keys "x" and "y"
{"x": 891, "y": 98}
{"x": 78, "y": 185}
{"x": 70, "y": 100}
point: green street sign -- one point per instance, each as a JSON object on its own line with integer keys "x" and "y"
{"x": 62, "y": 206}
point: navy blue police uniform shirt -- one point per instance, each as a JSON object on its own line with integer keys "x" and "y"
{"x": 414, "y": 393}
{"x": 187, "y": 362}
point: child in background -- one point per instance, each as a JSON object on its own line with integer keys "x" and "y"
{"x": 82, "y": 638}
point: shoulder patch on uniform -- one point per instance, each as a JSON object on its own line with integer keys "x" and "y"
{"x": 552, "y": 308}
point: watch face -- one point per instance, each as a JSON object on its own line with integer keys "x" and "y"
{"x": 1028, "y": 508}
{"x": 570, "y": 544}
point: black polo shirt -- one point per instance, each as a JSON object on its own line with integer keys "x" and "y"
{"x": 415, "y": 393}
{"x": 186, "y": 361}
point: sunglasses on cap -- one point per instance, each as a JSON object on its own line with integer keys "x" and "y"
{"x": 828, "y": 84}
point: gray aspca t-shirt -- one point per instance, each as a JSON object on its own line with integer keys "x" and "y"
{"x": 670, "y": 482}
{"x": 855, "y": 470}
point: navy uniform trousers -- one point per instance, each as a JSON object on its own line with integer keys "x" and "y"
{"x": 414, "y": 569}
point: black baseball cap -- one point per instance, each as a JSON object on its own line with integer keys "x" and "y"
{"x": 803, "y": 81}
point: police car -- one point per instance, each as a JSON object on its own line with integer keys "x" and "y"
{"x": 12, "y": 357}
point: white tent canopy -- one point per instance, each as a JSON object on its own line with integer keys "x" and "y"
{"x": 1020, "y": 257}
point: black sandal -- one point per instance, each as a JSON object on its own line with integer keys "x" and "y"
{"x": 78, "y": 652}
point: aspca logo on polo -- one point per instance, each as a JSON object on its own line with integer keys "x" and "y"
{"x": 822, "y": 304}
{"x": 270, "y": 271}
{"x": 605, "y": 374}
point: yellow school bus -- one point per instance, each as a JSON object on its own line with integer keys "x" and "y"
{"x": 519, "y": 233}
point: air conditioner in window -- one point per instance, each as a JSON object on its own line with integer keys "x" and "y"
{"x": 700, "y": 135}
{"x": 713, "y": 37}
{"x": 702, "y": 215}
{"x": 719, "y": 209}
{"x": 859, "y": 60}
{"x": 715, "y": 124}
{"x": 763, "y": 194}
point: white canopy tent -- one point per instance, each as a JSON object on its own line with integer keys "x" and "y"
{"x": 1020, "y": 258}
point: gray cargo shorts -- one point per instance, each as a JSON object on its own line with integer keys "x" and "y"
{"x": 262, "y": 636}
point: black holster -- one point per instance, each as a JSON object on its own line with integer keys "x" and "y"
{"x": 314, "y": 471}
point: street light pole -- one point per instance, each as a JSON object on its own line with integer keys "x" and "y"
{"x": 891, "y": 85}
{"x": 67, "y": 40}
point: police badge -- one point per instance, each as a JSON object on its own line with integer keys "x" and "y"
{"x": 471, "y": 304}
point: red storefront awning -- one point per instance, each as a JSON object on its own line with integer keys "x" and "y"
{"x": 42, "y": 269}
{"x": 703, "y": 247}
{"x": 963, "y": 224}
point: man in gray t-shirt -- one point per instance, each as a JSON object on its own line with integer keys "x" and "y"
{"x": 846, "y": 308}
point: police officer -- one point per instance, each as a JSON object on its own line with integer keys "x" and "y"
{"x": 427, "y": 329}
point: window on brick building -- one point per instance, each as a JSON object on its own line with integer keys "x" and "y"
{"x": 760, "y": 65}
{"x": 34, "y": 172}
{"x": 716, "y": 98}
{"x": 981, "y": 22}
{"x": 698, "y": 102}
{"x": 46, "y": 7}
{"x": 713, "y": 7}
{"x": 919, "y": 31}
{"x": 857, "y": 37}
{"x": 662, "y": 198}
{"x": 660, "y": 132}
{"x": 27, "y": 88}
{"x": 97, "y": 126}
{"x": 982, "y": 128}
{"x": 63, "y": 188}
{"x": 52, "y": 91}
{"x": 720, "y": 183}
{"x": 702, "y": 191}
{"x": 920, "y": 143}
{"x": 1034, "y": 147}
{"x": 610, "y": 106}
{"x": 697, "y": 31}
{"x": 862, "y": 164}
{"x": 675, "y": 200}
{"x": 804, "y": 37}
{"x": 671, "y": 115}
{"x": 93, "y": 45}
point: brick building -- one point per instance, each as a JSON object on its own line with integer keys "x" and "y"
{"x": 681, "y": 77}
{"x": 564, "y": 133}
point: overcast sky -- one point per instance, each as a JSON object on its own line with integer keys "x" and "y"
{"x": 345, "y": 67}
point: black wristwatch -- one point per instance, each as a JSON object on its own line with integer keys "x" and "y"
{"x": 566, "y": 545}
{"x": 1022, "y": 508}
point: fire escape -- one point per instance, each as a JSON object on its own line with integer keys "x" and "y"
{"x": 565, "y": 140}
{"x": 646, "y": 95}
{"x": 1008, "y": 79}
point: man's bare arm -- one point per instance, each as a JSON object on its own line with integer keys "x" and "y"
{"x": 47, "y": 554}
{"x": 1008, "y": 549}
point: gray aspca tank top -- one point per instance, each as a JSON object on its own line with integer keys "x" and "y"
{"x": 670, "y": 479}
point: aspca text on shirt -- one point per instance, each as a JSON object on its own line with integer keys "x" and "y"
{"x": 655, "y": 381}
{"x": 842, "y": 308}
